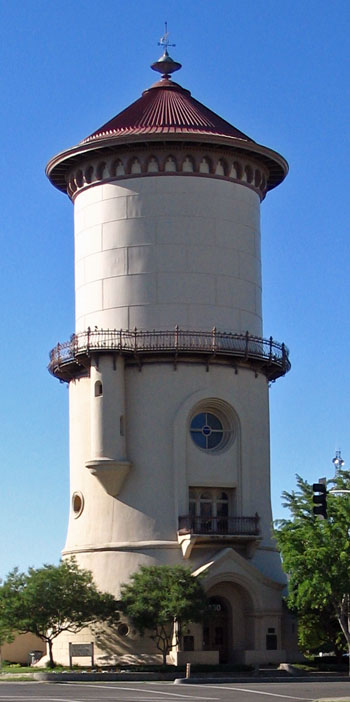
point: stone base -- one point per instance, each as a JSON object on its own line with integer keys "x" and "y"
{"x": 260, "y": 657}
{"x": 201, "y": 657}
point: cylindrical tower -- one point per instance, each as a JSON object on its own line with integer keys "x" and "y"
{"x": 168, "y": 369}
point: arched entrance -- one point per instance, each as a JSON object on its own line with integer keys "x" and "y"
{"x": 217, "y": 634}
{"x": 231, "y": 629}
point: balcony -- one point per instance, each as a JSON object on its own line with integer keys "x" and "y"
{"x": 234, "y": 526}
{"x": 243, "y": 531}
{"x": 71, "y": 358}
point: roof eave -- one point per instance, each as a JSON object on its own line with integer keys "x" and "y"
{"x": 59, "y": 165}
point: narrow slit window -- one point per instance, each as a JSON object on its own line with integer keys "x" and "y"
{"x": 98, "y": 388}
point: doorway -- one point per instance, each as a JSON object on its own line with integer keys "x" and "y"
{"x": 217, "y": 629}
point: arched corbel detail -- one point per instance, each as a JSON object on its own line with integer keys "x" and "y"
{"x": 100, "y": 170}
{"x": 170, "y": 160}
{"x": 142, "y": 159}
{"x": 221, "y": 167}
{"x": 205, "y": 165}
{"x": 88, "y": 174}
{"x": 133, "y": 166}
{"x": 188, "y": 164}
{"x": 113, "y": 167}
{"x": 249, "y": 173}
{"x": 79, "y": 178}
{"x": 238, "y": 167}
{"x": 211, "y": 165}
{"x": 197, "y": 157}
{"x": 152, "y": 164}
{"x": 71, "y": 186}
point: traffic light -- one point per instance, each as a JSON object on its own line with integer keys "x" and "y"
{"x": 320, "y": 500}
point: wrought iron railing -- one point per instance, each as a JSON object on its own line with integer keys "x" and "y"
{"x": 231, "y": 526}
{"x": 244, "y": 346}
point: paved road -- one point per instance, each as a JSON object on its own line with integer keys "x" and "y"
{"x": 167, "y": 692}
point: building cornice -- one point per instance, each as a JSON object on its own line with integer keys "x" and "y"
{"x": 256, "y": 166}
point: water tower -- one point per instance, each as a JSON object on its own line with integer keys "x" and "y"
{"x": 168, "y": 368}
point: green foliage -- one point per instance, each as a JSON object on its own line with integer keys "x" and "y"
{"x": 316, "y": 556}
{"x": 47, "y": 601}
{"x": 159, "y": 596}
{"x": 319, "y": 631}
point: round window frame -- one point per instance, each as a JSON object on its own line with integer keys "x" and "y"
{"x": 80, "y": 496}
{"x": 123, "y": 630}
{"x": 225, "y": 415}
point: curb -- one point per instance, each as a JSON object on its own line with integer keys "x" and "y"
{"x": 261, "y": 679}
{"x": 104, "y": 677}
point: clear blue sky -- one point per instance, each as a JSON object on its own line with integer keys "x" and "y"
{"x": 279, "y": 71}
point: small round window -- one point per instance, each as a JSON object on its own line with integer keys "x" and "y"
{"x": 207, "y": 430}
{"x": 123, "y": 629}
{"x": 77, "y": 503}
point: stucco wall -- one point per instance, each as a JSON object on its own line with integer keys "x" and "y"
{"x": 18, "y": 651}
{"x": 155, "y": 252}
{"x": 165, "y": 461}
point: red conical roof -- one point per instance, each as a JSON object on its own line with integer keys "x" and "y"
{"x": 166, "y": 108}
{"x": 165, "y": 112}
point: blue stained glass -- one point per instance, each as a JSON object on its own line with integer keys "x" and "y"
{"x": 214, "y": 422}
{"x": 199, "y": 439}
{"x": 206, "y": 430}
{"x": 214, "y": 439}
{"x": 198, "y": 421}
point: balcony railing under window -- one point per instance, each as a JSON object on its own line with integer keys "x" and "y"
{"x": 231, "y": 526}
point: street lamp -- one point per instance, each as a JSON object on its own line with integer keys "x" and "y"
{"x": 339, "y": 463}
{"x": 338, "y": 460}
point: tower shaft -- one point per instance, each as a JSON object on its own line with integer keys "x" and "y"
{"x": 168, "y": 369}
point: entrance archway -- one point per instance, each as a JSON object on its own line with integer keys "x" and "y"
{"x": 231, "y": 629}
{"x": 217, "y": 634}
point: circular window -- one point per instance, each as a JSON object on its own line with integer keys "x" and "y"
{"x": 123, "y": 630}
{"x": 207, "y": 430}
{"x": 77, "y": 503}
{"x": 211, "y": 429}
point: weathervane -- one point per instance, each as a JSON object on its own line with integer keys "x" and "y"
{"x": 165, "y": 64}
{"x": 164, "y": 40}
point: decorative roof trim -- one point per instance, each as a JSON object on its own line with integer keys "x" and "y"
{"x": 170, "y": 159}
{"x": 60, "y": 165}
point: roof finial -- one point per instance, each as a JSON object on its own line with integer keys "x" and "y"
{"x": 165, "y": 63}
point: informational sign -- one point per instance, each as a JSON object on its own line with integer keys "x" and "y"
{"x": 81, "y": 651}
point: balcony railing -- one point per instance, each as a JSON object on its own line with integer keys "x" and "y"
{"x": 230, "y": 526}
{"x": 268, "y": 354}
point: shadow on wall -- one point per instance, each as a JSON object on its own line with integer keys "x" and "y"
{"x": 122, "y": 644}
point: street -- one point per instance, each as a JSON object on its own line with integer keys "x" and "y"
{"x": 168, "y": 692}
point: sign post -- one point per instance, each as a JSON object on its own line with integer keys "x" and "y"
{"x": 81, "y": 651}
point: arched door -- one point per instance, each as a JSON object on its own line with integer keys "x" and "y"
{"x": 216, "y": 629}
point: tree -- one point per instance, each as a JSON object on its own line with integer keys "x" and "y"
{"x": 319, "y": 631}
{"x": 159, "y": 597}
{"x": 49, "y": 600}
{"x": 316, "y": 556}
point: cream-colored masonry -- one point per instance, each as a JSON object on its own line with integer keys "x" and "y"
{"x": 157, "y": 252}
{"x": 115, "y": 535}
